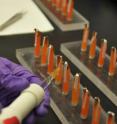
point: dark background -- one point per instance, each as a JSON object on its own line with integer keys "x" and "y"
{"x": 102, "y": 15}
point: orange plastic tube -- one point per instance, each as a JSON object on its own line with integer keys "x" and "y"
{"x": 59, "y": 75}
{"x": 92, "y": 49}
{"x": 64, "y": 7}
{"x": 37, "y": 44}
{"x": 49, "y": 0}
{"x": 50, "y": 59}
{"x": 44, "y": 51}
{"x": 58, "y": 59}
{"x": 75, "y": 90}
{"x": 85, "y": 104}
{"x": 70, "y": 10}
{"x": 112, "y": 64}
{"x": 102, "y": 53}
{"x": 110, "y": 118}
{"x": 85, "y": 38}
{"x": 96, "y": 111}
{"x": 53, "y": 2}
{"x": 58, "y": 4}
{"x": 66, "y": 79}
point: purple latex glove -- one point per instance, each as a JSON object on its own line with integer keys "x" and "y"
{"x": 15, "y": 78}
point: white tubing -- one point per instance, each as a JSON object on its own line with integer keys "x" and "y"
{"x": 24, "y": 104}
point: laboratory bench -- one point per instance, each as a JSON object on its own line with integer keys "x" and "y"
{"x": 102, "y": 15}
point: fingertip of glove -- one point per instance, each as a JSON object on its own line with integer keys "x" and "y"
{"x": 42, "y": 110}
{"x": 30, "y": 119}
{"x": 21, "y": 85}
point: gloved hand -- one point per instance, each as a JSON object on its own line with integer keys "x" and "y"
{"x": 15, "y": 78}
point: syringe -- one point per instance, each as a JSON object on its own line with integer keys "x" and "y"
{"x": 24, "y": 104}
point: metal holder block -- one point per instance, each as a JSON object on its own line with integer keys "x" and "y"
{"x": 60, "y": 103}
{"x": 99, "y": 77}
{"x": 77, "y": 22}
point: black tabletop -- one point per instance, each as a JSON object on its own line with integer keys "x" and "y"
{"x": 102, "y": 15}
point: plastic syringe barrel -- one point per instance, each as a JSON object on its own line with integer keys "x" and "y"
{"x": 24, "y": 104}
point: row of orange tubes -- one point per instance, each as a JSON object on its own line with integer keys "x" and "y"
{"x": 102, "y": 51}
{"x": 45, "y": 53}
{"x": 64, "y": 7}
